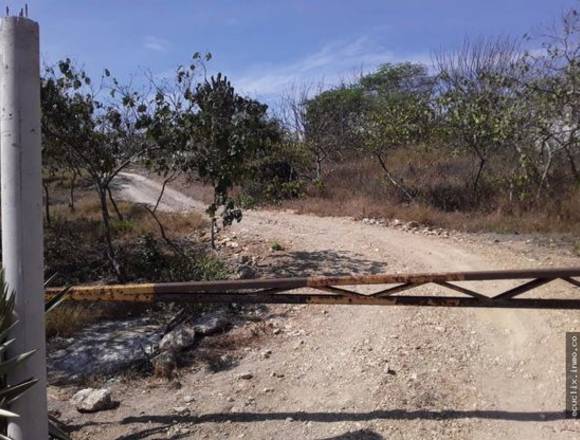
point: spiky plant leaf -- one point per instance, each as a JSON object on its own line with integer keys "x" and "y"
{"x": 12, "y": 363}
{"x": 54, "y": 426}
{"x": 8, "y": 414}
{"x": 11, "y": 393}
{"x": 6, "y": 305}
{"x": 5, "y": 345}
{"x": 49, "y": 280}
{"x": 4, "y": 333}
{"x": 56, "y": 299}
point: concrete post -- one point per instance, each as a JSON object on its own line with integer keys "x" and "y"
{"x": 21, "y": 185}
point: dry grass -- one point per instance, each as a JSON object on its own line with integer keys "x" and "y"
{"x": 69, "y": 318}
{"x": 544, "y": 221}
{"x": 75, "y": 249}
{"x": 192, "y": 188}
{"x": 357, "y": 189}
{"x": 136, "y": 219}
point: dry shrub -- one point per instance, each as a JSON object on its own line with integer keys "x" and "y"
{"x": 440, "y": 182}
{"x": 67, "y": 319}
{"x": 86, "y": 207}
{"x": 178, "y": 223}
{"x": 136, "y": 219}
{"x": 190, "y": 187}
{"x": 75, "y": 250}
{"x": 71, "y": 317}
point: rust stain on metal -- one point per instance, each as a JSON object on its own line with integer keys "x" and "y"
{"x": 111, "y": 293}
{"x": 281, "y": 290}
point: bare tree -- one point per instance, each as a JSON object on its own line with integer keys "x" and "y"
{"x": 554, "y": 81}
{"x": 477, "y": 104}
{"x": 324, "y": 120}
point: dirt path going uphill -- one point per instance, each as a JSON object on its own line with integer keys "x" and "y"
{"x": 343, "y": 372}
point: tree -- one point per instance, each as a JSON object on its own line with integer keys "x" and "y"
{"x": 553, "y": 85}
{"x": 399, "y": 112}
{"x": 212, "y": 134}
{"x": 407, "y": 78}
{"x": 478, "y": 108}
{"x": 227, "y": 132}
{"x": 331, "y": 121}
{"x": 99, "y": 131}
{"x": 168, "y": 129}
{"x": 322, "y": 123}
{"x": 335, "y": 123}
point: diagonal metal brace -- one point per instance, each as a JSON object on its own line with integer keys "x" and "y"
{"x": 523, "y": 288}
{"x": 460, "y": 289}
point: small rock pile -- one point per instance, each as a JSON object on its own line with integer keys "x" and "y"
{"x": 412, "y": 226}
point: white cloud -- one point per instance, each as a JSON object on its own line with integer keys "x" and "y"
{"x": 331, "y": 64}
{"x": 155, "y": 43}
{"x": 537, "y": 52}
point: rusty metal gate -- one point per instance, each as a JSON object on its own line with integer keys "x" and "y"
{"x": 394, "y": 290}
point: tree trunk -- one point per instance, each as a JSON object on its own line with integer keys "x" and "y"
{"x": 319, "y": 169}
{"x": 115, "y": 207}
{"x": 213, "y": 211}
{"x": 394, "y": 181}
{"x": 573, "y": 167}
{"x": 213, "y": 224}
{"x": 115, "y": 266}
{"x": 478, "y": 175}
{"x": 73, "y": 181}
{"x": 544, "y": 177}
{"x": 165, "y": 182}
{"x": 46, "y": 202}
{"x": 163, "y": 233}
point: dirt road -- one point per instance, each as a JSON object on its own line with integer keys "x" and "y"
{"x": 340, "y": 372}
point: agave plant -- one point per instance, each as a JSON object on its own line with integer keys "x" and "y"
{"x": 10, "y": 393}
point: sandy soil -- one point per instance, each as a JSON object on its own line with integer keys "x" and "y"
{"x": 362, "y": 372}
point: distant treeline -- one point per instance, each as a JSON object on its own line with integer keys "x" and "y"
{"x": 508, "y": 116}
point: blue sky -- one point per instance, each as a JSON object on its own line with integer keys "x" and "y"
{"x": 265, "y": 46}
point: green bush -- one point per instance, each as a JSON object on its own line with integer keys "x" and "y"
{"x": 122, "y": 226}
{"x": 277, "y": 246}
{"x": 157, "y": 261}
{"x": 74, "y": 251}
{"x": 272, "y": 191}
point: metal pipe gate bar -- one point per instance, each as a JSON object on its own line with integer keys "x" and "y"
{"x": 324, "y": 290}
